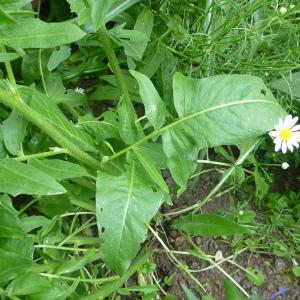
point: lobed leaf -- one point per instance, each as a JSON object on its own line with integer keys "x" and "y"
{"x": 214, "y": 111}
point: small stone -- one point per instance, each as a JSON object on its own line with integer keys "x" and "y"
{"x": 173, "y": 234}
{"x": 179, "y": 241}
{"x": 280, "y": 265}
{"x": 198, "y": 241}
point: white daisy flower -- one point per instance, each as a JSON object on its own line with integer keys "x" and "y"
{"x": 286, "y": 134}
{"x": 79, "y": 90}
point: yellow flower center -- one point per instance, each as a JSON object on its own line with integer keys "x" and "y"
{"x": 286, "y": 134}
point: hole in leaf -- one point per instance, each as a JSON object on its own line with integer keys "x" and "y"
{"x": 102, "y": 229}
{"x": 263, "y": 92}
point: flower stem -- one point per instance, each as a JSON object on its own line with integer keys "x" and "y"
{"x": 38, "y": 120}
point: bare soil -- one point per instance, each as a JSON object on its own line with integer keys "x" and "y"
{"x": 277, "y": 271}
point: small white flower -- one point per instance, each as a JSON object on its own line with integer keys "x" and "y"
{"x": 285, "y": 165}
{"x": 283, "y": 10}
{"x": 286, "y": 134}
{"x": 79, "y": 90}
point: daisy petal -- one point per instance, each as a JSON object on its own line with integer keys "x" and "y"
{"x": 274, "y": 133}
{"x": 287, "y": 120}
{"x": 290, "y": 145}
{"x": 278, "y": 145}
{"x": 283, "y": 147}
{"x": 281, "y": 122}
{"x": 296, "y": 136}
{"x": 296, "y": 144}
{"x": 296, "y": 128}
{"x": 277, "y": 140}
{"x": 293, "y": 122}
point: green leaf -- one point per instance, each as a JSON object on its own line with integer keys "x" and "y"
{"x": 209, "y": 225}
{"x": 6, "y": 18}
{"x": 136, "y": 47}
{"x": 124, "y": 205}
{"x": 23, "y": 248}
{"x": 58, "y": 56}
{"x": 12, "y": 265}
{"x": 76, "y": 264}
{"x": 10, "y": 225}
{"x": 151, "y": 168}
{"x": 231, "y": 291}
{"x": 59, "y": 290}
{"x": 296, "y": 271}
{"x": 188, "y": 293}
{"x": 34, "y": 33}
{"x": 214, "y": 111}
{"x": 14, "y": 129}
{"x": 55, "y": 205}
{"x": 49, "y": 110}
{"x": 27, "y": 284}
{"x": 289, "y": 84}
{"x": 18, "y": 178}
{"x": 127, "y": 129}
{"x": 256, "y": 276}
{"x": 99, "y": 11}
{"x": 6, "y": 57}
{"x": 59, "y": 169}
{"x": 33, "y": 222}
{"x": 13, "y": 4}
{"x": 154, "y": 106}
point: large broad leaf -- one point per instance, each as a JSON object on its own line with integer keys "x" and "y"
{"x": 99, "y": 11}
{"x": 18, "y": 178}
{"x": 219, "y": 110}
{"x": 154, "y": 106}
{"x": 209, "y": 225}
{"x": 34, "y": 33}
{"x": 14, "y": 128}
{"x": 10, "y": 225}
{"x": 59, "y": 169}
{"x": 125, "y": 204}
{"x": 6, "y": 18}
{"x": 13, "y": 4}
{"x": 12, "y": 265}
{"x": 49, "y": 110}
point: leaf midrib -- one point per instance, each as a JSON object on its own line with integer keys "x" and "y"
{"x": 126, "y": 207}
{"x": 183, "y": 119}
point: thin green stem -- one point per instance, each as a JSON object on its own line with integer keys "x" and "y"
{"x": 55, "y": 151}
{"x": 38, "y": 120}
{"x": 114, "y": 64}
{"x": 111, "y": 287}
{"x": 10, "y": 73}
